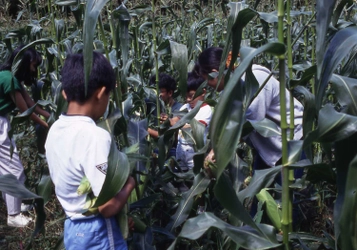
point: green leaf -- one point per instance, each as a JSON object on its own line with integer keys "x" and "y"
{"x": 348, "y": 219}
{"x": 164, "y": 140}
{"x": 198, "y": 133}
{"x": 200, "y": 184}
{"x": 346, "y": 93}
{"x": 245, "y": 236}
{"x": 273, "y": 212}
{"x": 324, "y": 11}
{"x": 24, "y": 116}
{"x": 261, "y": 179}
{"x": 44, "y": 188}
{"x": 179, "y": 58}
{"x": 66, "y": 2}
{"x": 10, "y": 185}
{"x": 229, "y": 115}
{"x": 227, "y": 196}
{"x": 306, "y": 76}
{"x": 266, "y": 127}
{"x": 337, "y": 13}
{"x": 339, "y": 47}
{"x": 332, "y": 126}
{"x": 18, "y": 57}
{"x": 93, "y": 9}
{"x": 117, "y": 174}
{"x": 60, "y": 26}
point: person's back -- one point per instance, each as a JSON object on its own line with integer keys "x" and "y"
{"x": 185, "y": 148}
{"x": 77, "y": 148}
{"x": 267, "y": 105}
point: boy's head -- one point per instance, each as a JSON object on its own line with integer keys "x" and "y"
{"x": 194, "y": 81}
{"x": 167, "y": 86}
{"x": 73, "y": 83}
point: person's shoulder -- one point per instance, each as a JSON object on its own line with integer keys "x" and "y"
{"x": 176, "y": 106}
{"x": 260, "y": 68}
{"x": 184, "y": 106}
{"x": 5, "y": 75}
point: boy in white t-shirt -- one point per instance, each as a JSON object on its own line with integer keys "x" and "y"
{"x": 185, "y": 148}
{"x": 76, "y": 147}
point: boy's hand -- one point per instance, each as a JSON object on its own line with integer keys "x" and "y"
{"x": 130, "y": 184}
{"x": 131, "y": 223}
{"x": 210, "y": 156}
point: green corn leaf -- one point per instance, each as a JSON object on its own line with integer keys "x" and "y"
{"x": 333, "y": 126}
{"x": 227, "y": 196}
{"x": 339, "y": 9}
{"x": 339, "y": 47}
{"x": 60, "y": 27}
{"x": 245, "y": 236}
{"x": 229, "y": 115}
{"x": 117, "y": 174}
{"x": 24, "y": 116}
{"x": 67, "y": 2}
{"x": 200, "y": 184}
{"x": 10, "y": 185}
{"x": 346, "y": 93}
{"x": 45, "y": 188}
{"x": 93, "y": 9}
{"x": 261, "y": 179}
{"x": 266, "y": 127}
{"x": 164, "y": 140}
{"x": 179, "y": 57}
{"x": 273, "y": 212}
{"x": 324, "y": 11}
{"x": 348, "y": 220}
{"x": 18, "y": 57}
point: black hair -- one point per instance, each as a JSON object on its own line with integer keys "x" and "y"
{"x": 165, "y": 82}
{"x": 194, "y": 81}
{"x": 24, "y": 73}
{"x": 209, "y": 60}
{"x": 73, "y": 82}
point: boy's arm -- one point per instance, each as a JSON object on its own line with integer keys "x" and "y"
{"x": 115, "y": 204}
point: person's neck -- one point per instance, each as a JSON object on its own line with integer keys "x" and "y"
{"x": 171, "y": 102}
{"x": 75, "y": 108}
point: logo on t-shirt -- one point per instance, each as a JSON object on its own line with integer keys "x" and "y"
{"x": 103, "y": 167}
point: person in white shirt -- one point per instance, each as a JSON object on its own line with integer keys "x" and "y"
{"x": 76, "y": 147}
{"x": 265, "y": 105}
{"x": 185, "y": 147}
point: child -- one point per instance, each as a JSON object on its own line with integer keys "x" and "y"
{"x": 13, "y": 95}
{"x": 167, "y": 86}
{"x": 76, "y": 147}
{"x": 185, "y": 148}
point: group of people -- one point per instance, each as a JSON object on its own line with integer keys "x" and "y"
{"x": 76, "y": 147}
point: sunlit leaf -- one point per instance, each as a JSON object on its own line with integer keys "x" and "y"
{"x": 273, "y": 212}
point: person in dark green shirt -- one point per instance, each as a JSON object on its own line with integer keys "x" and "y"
{"x": 14, "y": 95}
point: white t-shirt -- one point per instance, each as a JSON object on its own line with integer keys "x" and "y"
{"x": 76, "y": 147}
{"x": 185, "y": 148}
{"x": 267, "y": 105}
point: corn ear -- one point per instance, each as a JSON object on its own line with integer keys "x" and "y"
{"x": 84, "y": 186}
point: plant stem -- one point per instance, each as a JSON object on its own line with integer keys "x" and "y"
{"x": 156, "y": 64}
{"x": 286, "y": 213}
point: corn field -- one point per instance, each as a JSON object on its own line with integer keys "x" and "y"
{"x": 311, "y": 48}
